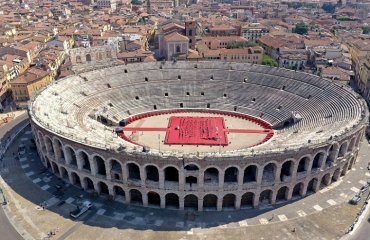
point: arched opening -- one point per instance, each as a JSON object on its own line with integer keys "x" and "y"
{"x": 88, "y": 57}
{"x": 312, "y": 186}
{"x": 76, "y": 180}
{"x": 250, "y": 174}
{"x": 63, "y": 173}
{"x": 100, "y": 166}
{"x": 231, "y": 175}
{"x": 269, "y": 173}
{"x": 336, "y": 175}
{"x": 119, "y": 194}
{"x": 103, "y": 188}
{"x": 191, "y": 180}
{"x": 99, "y": 56}
{"x": 247, "y": 200}
{"x": 352, "y": 144}
{"x": 85, "y": 161}
{"x": 48, "y": 165}
{"x": 152, "y": 173}
{"x": 116, "y": 170}
{"x": 345, "y": 169}
{"x": 325, "y": 181}
{"x": 266, "y": 197}
{"x": 133, "y": 171}
{"x": 210, "y": 202}
{"x": 171, "y": 174}
{"x": 49, "y": 146}
{"x": 282, "y": 194}
{"x": 172, "y": 201}
{"x": 191, "y": 202}
{"x": 303, "y": 165}
{"x": 228, "y": 201}
{"x": 71, "y": 156}
{"x": 78, "y": 59}
{"x": 59, "y": 153}
{"x": 211, "y": 176}
{"x": 191, "y": 167}
{"x": 89, "y": 184}
{"x": 317, "y": 161}
{"x": 331, "y": 155}
{"x": 154, "y": 199}
{"x": 298, "y": 190}
{"x": 136, "y": 197}
{"x": 343, "y": 149}
{"x": 55, "y": 168}
{"x": 286, "y": 171}
{"x": 351, "y": 163}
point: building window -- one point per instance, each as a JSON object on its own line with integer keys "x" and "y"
{"x": 190, "y": 32}
{"x": 178, "y": 49}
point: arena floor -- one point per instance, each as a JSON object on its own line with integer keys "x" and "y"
{"x": 156, "y": 132}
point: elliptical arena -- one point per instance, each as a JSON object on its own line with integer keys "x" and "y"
{"x": 198, "y": 135}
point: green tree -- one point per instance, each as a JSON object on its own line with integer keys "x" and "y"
{"x": 365, "y": 29}
{"x": 135, "y": 2}
{"x": 301, "y": 28}
{"x": 329, "y": 7}
{"x": 241, "y": 44}
{"x": 267, "y": 60}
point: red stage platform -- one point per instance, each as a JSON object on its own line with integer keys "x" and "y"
{"x": 196, "y": 131}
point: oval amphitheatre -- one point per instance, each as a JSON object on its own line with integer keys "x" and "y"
{"x": 198, "y": 135}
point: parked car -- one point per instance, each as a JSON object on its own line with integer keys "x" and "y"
{"x": 355, "y": 200}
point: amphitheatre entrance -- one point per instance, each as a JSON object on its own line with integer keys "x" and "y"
{"x": 196, "y": 131}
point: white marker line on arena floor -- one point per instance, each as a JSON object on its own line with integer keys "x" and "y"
{"x": 317, "y": 208}
{"x": 25, "y": 166}
{"x": 362, "y": 182}
{"x": 22, "y": 159}
{"x": 101, "y": 212}
{"x": 331, "y": 202}
{"x": 301, "y": 213}
{"x": 180, "y": 224}
{"x": 354, "y": 189}
{"x": 158, "y": 223}
{"x": 45, "y": 187}
{"x": 37, "y": 180}
{"x": 70, "y": 200}
{"x": 30, "y": 174}
{"x": 263, "y": 221}
{"x": 243, "y": 223}
{"x": 24, "y": 139}
{"x": 353, "y": 169}
{"x": 282, "y": 217}
{"x": 367, "y": 174}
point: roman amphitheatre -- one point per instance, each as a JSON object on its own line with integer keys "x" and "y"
{"x": 204, "y": 136}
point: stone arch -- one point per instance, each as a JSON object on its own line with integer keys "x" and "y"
{"x": 231, "y": 175}
{"x": 100, "y": 165}
{"x": 332, "y": 154}
{"x": 269, "y": 172}
{"x": 282, "y": 194}
{"x": 171, "y": 174}
{"x": 152, "y": 173}
{"x": 55, "y": 168}
{"x": 115, "y": 170}
{"x": 352, "y": 144}
{"x": 303, "y": 164}
{"x": 88, "y": 57}
{"x": 88, "y": 184}
{"x": 154, "y": 199}
{"x": 250, "y": 174}
{"x": 286, "y": 170}
{"x": 103, "y": 188}
{"x": 192, "y": 167}
{"x": 172, "y": 200}
{"x": 247, "y": 200}
{"x": 119, "y": 193}
{"x": 210, "y": 202}
{"x": 78, "y": 59}
{"x": 71, "y": 157}
{"x": 312, "y": 186}
{"x": 318, "y": 161}
{"x": 191, "y": 202}
{"x": 76, "y": 179}
{"x": 211, "y": 175}
{"x": 63, "y": 173}
{"x": 136, "y": 197}
{"x": 228, "y": 201}
{"x": 266, "y": 197}
{"x": 133, "y": 171}
{"x": 58, "y": 149}
{"x": 343, "y": 149}
{"x": 298, "y": 190}
{"x": 49, "y": 146}
{"x": 336, "y": 175}
{"x": 351, "y": 162}
{"x": 84, "y": 159}
{"x": 325, "y": 181}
